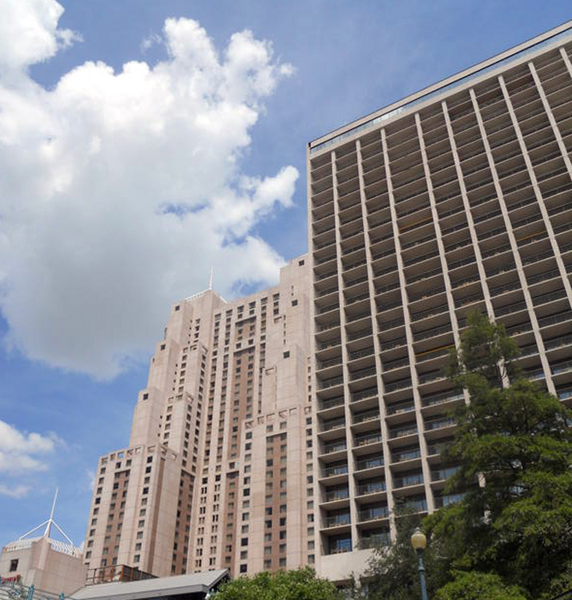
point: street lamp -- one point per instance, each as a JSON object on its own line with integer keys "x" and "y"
{"x": 419, "y": 543}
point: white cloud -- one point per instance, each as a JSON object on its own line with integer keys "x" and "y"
{"x": 29, "y": 32}
{"x": 148, "y": 42}
{"x": 24, "y": 452}
{"x": 16, "y": 491}
{"x": 120, "y": 190}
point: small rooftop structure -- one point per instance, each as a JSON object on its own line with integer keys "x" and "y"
{"x": 195, "y": 586}
{"x": 54, "y": 566}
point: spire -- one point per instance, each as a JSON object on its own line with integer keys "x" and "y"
{"x": 48, "y": 524}
{"x": 51, "y": 519}
{"x": 211, "y": 279}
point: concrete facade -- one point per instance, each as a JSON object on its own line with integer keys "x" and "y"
{"x": 284, "y": 428}
{"x": 454, "y": 199}
{"x": 49, "y": 565}
{"x": 216, "y": 470}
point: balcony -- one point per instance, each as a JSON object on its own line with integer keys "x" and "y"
{"x": 406, "y": 454}
{"x": 362, "y": 373}
{"x": 331, "y": 403}
{"x": 333, "y": 424}
{"x": 561, "y": 367}
{"x": 335, "y": 470}
{"x": 373, "y": 514}
{"x": 441, "y": 398}
{"x": 375, "y": 540}
{"x": 328, "y": 383}
{"x": 334, "y": 495}
{"x": 401, "y": 408}
{"x": 372, "y": 487}
{"x": 366, "y": 440}
{"x": 444, "y": 473}
{"x": 439, "y": 423}
{"x": 369, "y": 463}
{"x": 364, "y": 417}
{"x": 364, "y": 394}
{"x": 339, "y": 544}
{"x": 408, "y": 480}
{"x": 336, "y": 447}
{"x": 400, "y": 432}
{"x": 395, "y": 386}
{"x": 337, "y": 520}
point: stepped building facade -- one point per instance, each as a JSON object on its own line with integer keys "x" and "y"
{"x": 284, "y": 428}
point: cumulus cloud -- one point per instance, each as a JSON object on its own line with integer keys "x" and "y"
{"x": 120, "y": 190}
{"x": 22, "y": 452}
{"x": 29, "y": 33}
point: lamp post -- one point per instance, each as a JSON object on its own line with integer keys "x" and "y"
{"x": 419, "y": 543}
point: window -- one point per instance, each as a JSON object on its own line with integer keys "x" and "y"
{"x": 243, "y": 568}
{"x": 14, "y": 565}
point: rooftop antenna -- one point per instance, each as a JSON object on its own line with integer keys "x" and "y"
{"x": 211, "y": 279}
{"x": 51, "y": 519}
{"x": 48, "y": 524}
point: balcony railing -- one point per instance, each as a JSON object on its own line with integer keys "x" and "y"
{"x": 361, "y": 374}
{"x": 333, "y": 424}
{"x": 408, "y": 480}
{"x": 334, "y": 470}
{"x": 406, "y": 455}
{"x": 331, "y": 403}
{"x": 328, "y": 383}
{"x": 331, "y": 448}
{"x": 369, "y": 463}
{"x": 445, "y": 473}
{"x": 402, "y": 407}
{"x": 441, "y": 398}
{"x": 337, "y": 521}
{"x": 373, "y": 487}
{"x": 369, "y": 393}
{"x": 333, "y": 495}
{"x": 563, "y": 367}
{"x": 371, "y": 415}
{"x": 439, "y": 424}
{"x": 402, "y": 431}
{"x": 372, "y": 514}
{"x": 365, "y": 440}
{"x": 402, "y": 384}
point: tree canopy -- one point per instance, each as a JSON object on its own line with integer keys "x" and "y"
{"x": 301, "y": 584}
{"x": 512, "y": 530}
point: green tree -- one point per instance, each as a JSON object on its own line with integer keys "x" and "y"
{"x": 393, "y": 572}
{"x": 478, "y": 586}
{"x": 512, "y": 531}
{"x": 301, "y": 584}
{"x": 514, "y": 448}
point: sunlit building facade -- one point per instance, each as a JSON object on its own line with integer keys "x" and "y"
{"x": 454, "y": 199}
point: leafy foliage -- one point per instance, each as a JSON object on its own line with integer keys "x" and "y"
{"x": 513, "y": 526}
{"x": 301, "y": 584}
{"x": 478, "y": 586}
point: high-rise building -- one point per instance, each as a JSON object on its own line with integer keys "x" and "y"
{"x": 215, "y": 472}
{"x": 457, "y": 198}
{"x": 284, "y": 428}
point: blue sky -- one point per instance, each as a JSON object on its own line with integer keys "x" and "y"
{"x": 92, "y": 163}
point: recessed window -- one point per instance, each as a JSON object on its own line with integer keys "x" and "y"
{"x": 14, "y": 565}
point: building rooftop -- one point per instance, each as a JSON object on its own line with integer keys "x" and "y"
{"x": 178, "y": 585}
{"x": 441, "y": 87}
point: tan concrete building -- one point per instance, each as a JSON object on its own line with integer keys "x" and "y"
{"x": 216, "y": 469}
{"x": 283, "y": 429}
{"x": 456, "y": 198}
